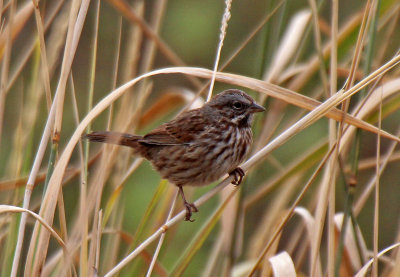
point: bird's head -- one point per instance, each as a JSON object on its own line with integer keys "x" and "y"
{"x": 236, "y": 106}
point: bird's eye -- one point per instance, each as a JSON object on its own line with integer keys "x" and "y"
{"x": 237, "y": 105}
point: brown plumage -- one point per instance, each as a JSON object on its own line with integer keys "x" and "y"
{"x": 199, "y": 146}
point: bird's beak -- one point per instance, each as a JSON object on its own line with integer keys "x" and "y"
{"x": 255, "y": 108}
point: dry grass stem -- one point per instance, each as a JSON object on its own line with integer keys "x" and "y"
{"x": 162, "y": 237}
{"x": 224, "y": 26}
{"x": 377, "y": 196}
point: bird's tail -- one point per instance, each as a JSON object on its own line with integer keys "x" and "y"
{"x": 114, "y": 138}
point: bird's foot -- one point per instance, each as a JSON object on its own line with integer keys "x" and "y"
{"x": 238, "y": 175}
{"x": 190, "y": 207}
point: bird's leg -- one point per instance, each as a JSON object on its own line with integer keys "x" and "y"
{"x": 238, "y": 175}
{"x": 189, "y": 206}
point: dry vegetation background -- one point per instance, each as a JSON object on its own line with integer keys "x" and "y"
{"x": 320, "y": 198}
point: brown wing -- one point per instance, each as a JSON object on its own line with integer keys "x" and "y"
{"x": 182, "y": 130}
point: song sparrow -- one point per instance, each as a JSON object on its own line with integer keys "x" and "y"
{"x": 199, "y": 146}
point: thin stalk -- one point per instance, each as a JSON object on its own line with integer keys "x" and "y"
{"x": 224, "y": 26}
{"x": 98, "y": 242}
{"x": 346, "y": 215}
{"x": 160, "y": 242}
{"x": 333, "y": 137}
{"x": 377, "y": 193}
{"x": 317, "y": 37}
{"x": 370, "y": 47}
{"x": 354, "y": 225}
{"x": 83, "y": 269}
{"x": 43, "y": 53}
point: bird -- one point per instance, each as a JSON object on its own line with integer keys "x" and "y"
{"x": 199, "y": 146}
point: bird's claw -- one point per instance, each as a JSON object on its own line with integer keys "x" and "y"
{"x": 190, "y": 207}
{"x": 238, "y": 175}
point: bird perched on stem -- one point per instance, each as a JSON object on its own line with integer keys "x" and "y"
{"x": 199, "y": 146}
